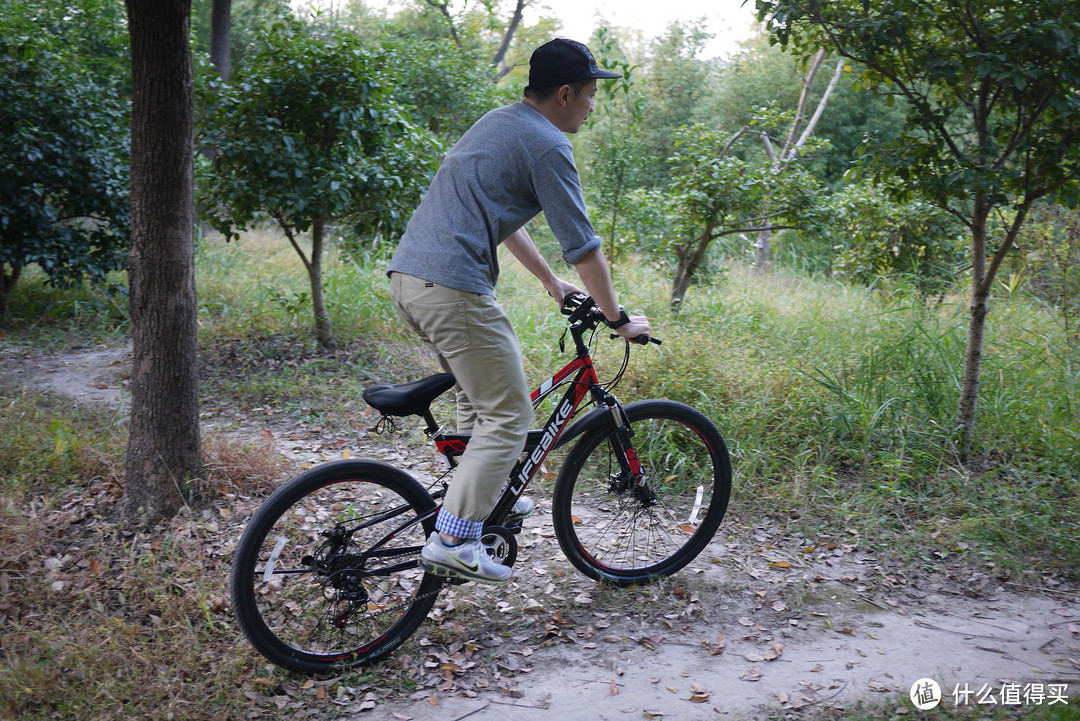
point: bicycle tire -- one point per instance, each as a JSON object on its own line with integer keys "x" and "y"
{"x": 310, "y": 595}
{"x": 622, "y": 534}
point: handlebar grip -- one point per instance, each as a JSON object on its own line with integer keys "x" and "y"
{"x": 640, "y": 340}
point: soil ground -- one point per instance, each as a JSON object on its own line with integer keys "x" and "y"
{"x": 765, "y": 623}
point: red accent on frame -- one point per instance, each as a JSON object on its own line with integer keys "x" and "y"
{"x": 570, "y": 368}
{"x": 451, "y": 446}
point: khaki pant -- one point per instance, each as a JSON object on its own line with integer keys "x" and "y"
{"x": 474, "y": 340}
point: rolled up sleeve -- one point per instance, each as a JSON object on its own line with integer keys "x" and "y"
{"x": 558, "y": 189}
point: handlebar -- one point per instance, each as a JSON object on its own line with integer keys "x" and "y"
{"x": 583, "y": 311}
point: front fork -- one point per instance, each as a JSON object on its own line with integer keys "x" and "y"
{"x": 631, "y": 476}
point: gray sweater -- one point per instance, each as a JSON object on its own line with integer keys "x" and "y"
{"x": 511, "y": 165}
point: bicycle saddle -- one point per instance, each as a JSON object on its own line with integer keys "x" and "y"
{"x": 408, "y": 399}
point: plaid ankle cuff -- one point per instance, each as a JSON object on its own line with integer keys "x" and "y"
{"x": 448, "y": 523}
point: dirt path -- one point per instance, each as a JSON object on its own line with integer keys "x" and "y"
{"x": 764, "y": 622}
{"x": 835, "y": 648}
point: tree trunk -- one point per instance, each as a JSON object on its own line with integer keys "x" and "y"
{"x": 689, "y": 260}
{"x": 761, "y": 249}
{"x": 969, "y": 388}
{"x": 7, "y": 285}
{"x": 220, "y": 36}
{"x": 980, "y": 291}
{"x": 318, "y": 300}
{"x": 163, "y": 445}
{"x": 982, "y": 280}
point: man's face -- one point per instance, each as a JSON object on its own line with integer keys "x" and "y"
{"x": 578, "y": 107}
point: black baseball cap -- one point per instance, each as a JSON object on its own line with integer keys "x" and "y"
{"x": 561, "y": 62}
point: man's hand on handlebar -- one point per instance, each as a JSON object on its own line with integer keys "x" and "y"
{"x": 637, "y": 330}
{"x": 559, "y": 289}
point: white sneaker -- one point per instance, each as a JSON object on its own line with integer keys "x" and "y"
{"x": 523, "y": 508}
{"x": 466, "y": 560}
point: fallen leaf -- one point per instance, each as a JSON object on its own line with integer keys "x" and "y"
{"x": 780, "y": 564}
{"x": 1063, "y": 612}
{"x": 752, "y": 675}
{"x": 721, "y": 644}
{"x": 614, "y": 689}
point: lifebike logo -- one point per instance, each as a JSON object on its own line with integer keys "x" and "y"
{"x": 562, "y": 413}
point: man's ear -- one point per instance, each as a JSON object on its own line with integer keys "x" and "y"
{"x": 563, "y": 95}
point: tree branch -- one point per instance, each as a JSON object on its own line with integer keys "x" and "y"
{"x": 499, "y": 61}
{"x": 444, "y": 10}
{"x": 821, "y": 105}
{"x": 804, "y": 96}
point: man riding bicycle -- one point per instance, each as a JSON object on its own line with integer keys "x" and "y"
{"x": 514, "y": 163}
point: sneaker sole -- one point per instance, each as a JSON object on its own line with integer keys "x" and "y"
{"x": 437, "y": 569}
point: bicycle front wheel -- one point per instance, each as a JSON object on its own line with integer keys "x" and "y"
{"x": 325, "y": 575}
{"x": 626, "y": 528}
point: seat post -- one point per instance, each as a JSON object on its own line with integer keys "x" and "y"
{"x": 432, "y": 427}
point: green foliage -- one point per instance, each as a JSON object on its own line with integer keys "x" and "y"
{"x": 618, "y": 148}
{"x": 64, "y": 160}
{"x": 992, "y": 116}
{"x": 445, "y": 89}
{"x": 991, "y": 89}
{"x": 1051, "y": 262}
{"x": 247, "y": 18}
{"x": 307, "y": 130}
{"x": 761, "y": 74}
{"x": 877, "y": 238}
{"x": 675, "y": 81}
{"x": 715, "y": 193}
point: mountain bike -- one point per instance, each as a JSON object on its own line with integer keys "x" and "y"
{"x": 325, "y": 574}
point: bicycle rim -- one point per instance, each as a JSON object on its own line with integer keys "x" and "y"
{"x": 624, "y": 531}
{"x": 325, "y": 574}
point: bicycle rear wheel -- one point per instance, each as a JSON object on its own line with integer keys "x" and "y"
{"x": 325, "y": 575}
{"x": 624, "y": 530}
